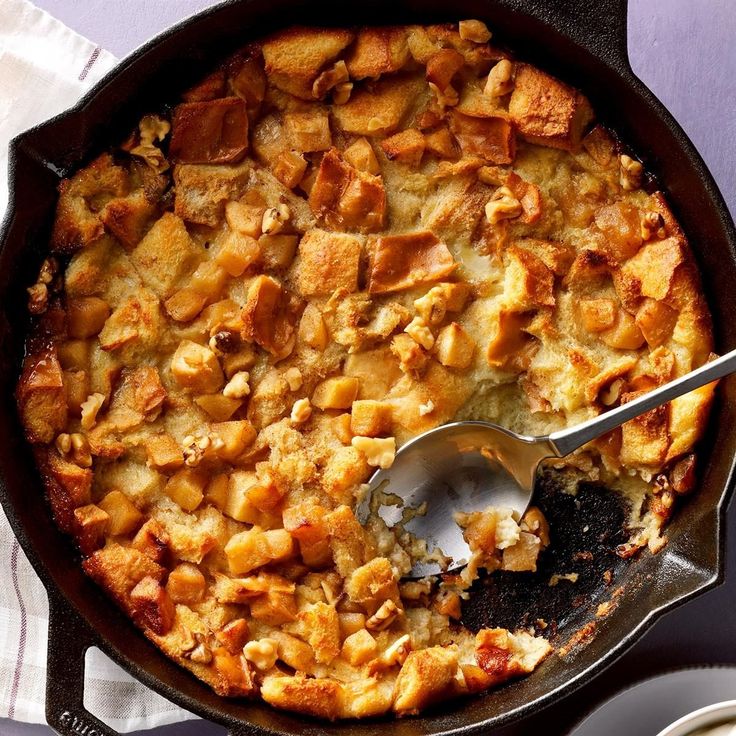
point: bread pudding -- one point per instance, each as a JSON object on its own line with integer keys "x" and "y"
{"x": 335, "y": 241}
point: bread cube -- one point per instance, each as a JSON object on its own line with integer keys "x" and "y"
{"x": 153, "y": 541}
{"x": 235, "y": 678}
{"x": 164, "y": 452}
{"x": 294, "y": 57}
{"x": 234, "y": 635}
{"x": 491, "y": 138}
{"x": 361, "y": 156}
{"x": 645, "y": 439}
{"x": 336, "y": 393}
{"x": 528, "y": 283}
{"x": 308, "y": 132}
{"x": 236, "y": 436}
{"x": 314, "y": 696}
{"x": 165, "y": 255}
{"x": 124, "y": 515}
{"x": 376, "y": 51}
{"x": 289, "y": 168}
{"x": 186, "y": 488}
{"x": 454, "y": 347}
{"x": 267, "y": 317}
{"x": 380, "y": 109}
{"x": 346, "y": 468}
{"x": 42, "y": 397}
{"x": 654, "y": 267}
{"x": 202, "y": 191}
{"x": 278, "y": 250}
{"x": 359, "y": 648}
{"x": 426, "y": 676}
{"x": 406, "y": 147}
{"x": 321, "y": 628}
{"x": 196, "y": 367}
{"x": 186, "y": 583}
{"x": 401, "y": 262}
{"x": 344, "y": 198}
{"x": 254, "y": 548}
{"x": 370, "y": 418}
{"x": 327, "y": 262}
{"x": 220, "y": 408}
{"x": 134, "y": 325}
{"x": 597, "y": 315}
{"x": 546, "y": 111}
{"x": 372, "y": 584}
{"x": 441, "y": 143}
{"x": 119, "y": 569}
{"x": 209, "y": 132}
{"x": 86, "y": 316}
{"x": 238, "y": 252}
{"x": 90, "y": 527}
{"x": 152, "y": 607}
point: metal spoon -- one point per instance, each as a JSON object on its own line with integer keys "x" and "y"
{"x": 444, "y": 467}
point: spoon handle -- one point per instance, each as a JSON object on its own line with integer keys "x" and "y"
{"x": 567, "y": 440}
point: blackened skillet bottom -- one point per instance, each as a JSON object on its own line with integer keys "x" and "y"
{"x": 585, "y": 530}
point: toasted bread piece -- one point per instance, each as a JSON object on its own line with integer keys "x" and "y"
{"x": 547, "y": 111}
{"x": 295, "y": 57}
{"x": 492, "y": 138}
{"x": 378, "y": 51}
{"x": 327, "y": 261}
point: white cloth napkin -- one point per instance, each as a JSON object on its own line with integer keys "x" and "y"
{"x": 44, "y": 68}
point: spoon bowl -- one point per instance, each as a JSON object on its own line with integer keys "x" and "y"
{"x": 472, "y": 465}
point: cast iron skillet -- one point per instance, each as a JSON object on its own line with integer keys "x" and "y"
{"x": 583, "y": 42}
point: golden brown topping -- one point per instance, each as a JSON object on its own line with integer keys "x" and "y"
{"x": 327, "y": 262}
{"x": 406, "y": 147}
{"x": 402, "y": 261}
{"x": 152, "y": 606}
{"x": 214, "y": 132}
{"x": 491, "y": 138}
{"x": 345, "y": 198}
{"x": 378, "y": 51}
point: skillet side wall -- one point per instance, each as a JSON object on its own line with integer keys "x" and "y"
{"x": 692, "y": 561}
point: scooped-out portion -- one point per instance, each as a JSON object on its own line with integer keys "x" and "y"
{"x": 338, "y": 239}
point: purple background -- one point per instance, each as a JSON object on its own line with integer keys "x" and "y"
{"x": 684, "y": 50}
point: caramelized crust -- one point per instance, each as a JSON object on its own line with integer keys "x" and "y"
{"x": 342, "y": 238}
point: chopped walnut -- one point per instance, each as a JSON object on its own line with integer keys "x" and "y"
{"x": 293, "y": 376}
{"x": 447, "y": 97}
{"x": 379, "y": 451}
{"x": 652, "y": 223}
{"x": 631, "y": 173}
{"x": 263, "y": 653}
{"x": 63, "y": 443}
{"x": 301, "y": 411}
{"x": 152, "y": 128}
{"x": 384, "y": 616}
{"x": 201, "y": 654}
{"x": 503, "y": 205}
{"x": 90, "y": 408}
{"x": 427, "y": 408}
{"x": 237, "y": 387}
{"x": 223, "y": 342}
{"x": 420, "y": 333}
{"x": 474, "y": 30}
{"x": 329, "y": 79}
{"x": 500, "y": 79}
{"x": 342, "y": 93}
{"x": 395, "y": 654}
{"x": 612, "y": 393}
{"x": 80, "y": 451}
{"x": 275, "y": 218}
{"x": 38, "y": 298}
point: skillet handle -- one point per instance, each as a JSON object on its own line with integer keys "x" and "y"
{"x": 599, "y": 25}
{"x": 69, "y": 639}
